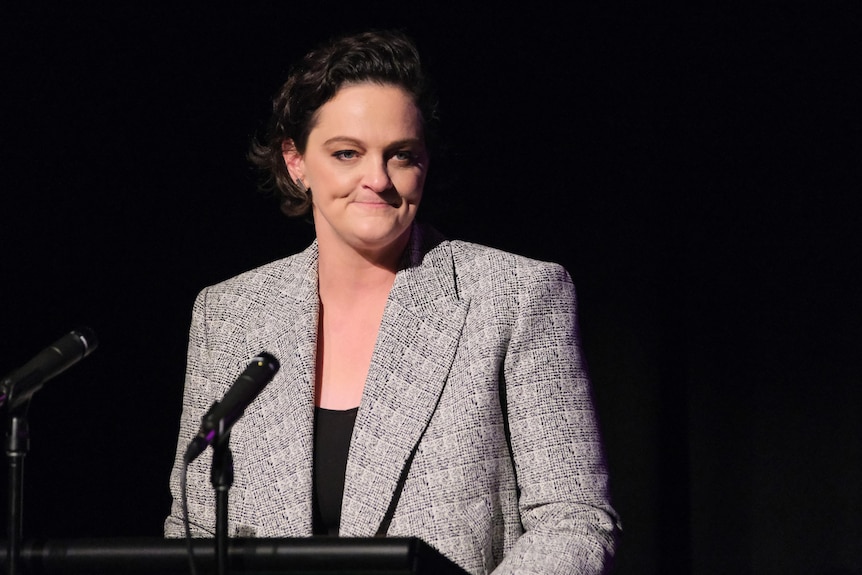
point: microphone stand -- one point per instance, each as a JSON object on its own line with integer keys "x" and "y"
{"x": 17, "y": 445}
{"x": 221, "y": 477}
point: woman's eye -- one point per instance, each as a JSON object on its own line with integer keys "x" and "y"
{"x": 345, "y": 154}
{"x": 404, "y": 156}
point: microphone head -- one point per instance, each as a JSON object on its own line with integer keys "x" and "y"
{"x": 268, "y": 360}
{"x": 87, "y": 338}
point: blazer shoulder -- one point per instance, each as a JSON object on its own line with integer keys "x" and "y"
{"x": 291, "y": 277}
{"x": 487, "y": 266}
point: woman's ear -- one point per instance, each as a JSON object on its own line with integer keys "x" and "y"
{"x": 292, "y": 159}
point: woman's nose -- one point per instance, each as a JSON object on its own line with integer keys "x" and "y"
{"x": 377, "y": 178}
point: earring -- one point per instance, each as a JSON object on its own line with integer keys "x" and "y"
{"x": 302, "y": 186}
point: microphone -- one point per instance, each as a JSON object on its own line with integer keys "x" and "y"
{"x": 17, "y": 387}
{"x": 223, "y": 414}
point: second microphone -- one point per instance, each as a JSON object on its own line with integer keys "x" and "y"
{"x": 223, "y": 414}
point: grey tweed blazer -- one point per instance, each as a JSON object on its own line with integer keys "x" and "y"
{"x": 477, "y": 397}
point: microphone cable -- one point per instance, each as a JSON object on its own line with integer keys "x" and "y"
{"x": 185, "y": 504}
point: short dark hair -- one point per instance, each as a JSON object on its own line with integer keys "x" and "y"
{"x": 383, "y": 57}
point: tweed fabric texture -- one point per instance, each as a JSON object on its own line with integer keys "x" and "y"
{"x": 462, "y": 323}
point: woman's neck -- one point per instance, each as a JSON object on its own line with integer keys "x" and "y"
{"x": 342, "y": 270}
{"x": 345, "y": 274}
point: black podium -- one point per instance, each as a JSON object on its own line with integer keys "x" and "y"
{"x": 301, "y": 556}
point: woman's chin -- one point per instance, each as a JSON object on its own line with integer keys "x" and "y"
{"x": 381, "y": 241}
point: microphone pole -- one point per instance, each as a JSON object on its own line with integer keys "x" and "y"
{"x": 17, "y": 446}
{"x": 16, "y": 391}
{"x": 221, "y": 477}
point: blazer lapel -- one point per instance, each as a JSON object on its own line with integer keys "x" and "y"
{"x": 281, "y": 468}
{"x": 414, "y": 352}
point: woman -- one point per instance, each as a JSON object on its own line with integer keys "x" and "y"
{"x": 428, "y": 388}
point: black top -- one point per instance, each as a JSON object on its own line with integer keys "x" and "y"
{"x": 332, "y": 431}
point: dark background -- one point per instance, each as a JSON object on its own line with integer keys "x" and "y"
{"x": 695, "y": 169}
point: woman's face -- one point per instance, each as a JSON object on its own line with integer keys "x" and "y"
{"x": 365, "y": 162}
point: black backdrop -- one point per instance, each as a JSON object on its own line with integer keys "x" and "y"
{"x": 696, "y": 170}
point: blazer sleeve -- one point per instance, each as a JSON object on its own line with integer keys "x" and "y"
{"x": 198, "y": 396}
{"x": 564, "y": 501}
